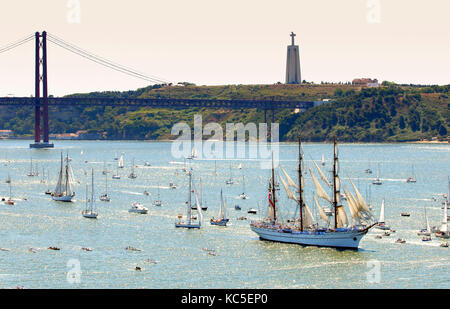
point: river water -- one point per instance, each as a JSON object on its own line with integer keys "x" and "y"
{"x": 176, "y": 258}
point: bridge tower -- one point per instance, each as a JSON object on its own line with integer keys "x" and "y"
{"x": 37, "y": 105}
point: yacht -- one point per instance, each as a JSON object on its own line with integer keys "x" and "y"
{"x": 138, "y": 208}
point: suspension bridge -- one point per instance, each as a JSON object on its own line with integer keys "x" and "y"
{"x": 42, "y": 102}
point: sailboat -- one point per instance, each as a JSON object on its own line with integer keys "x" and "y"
{"x": 116, "y": 175}
{"x": 32, "y": 173}
{"x": 368, "y": 170}
{"x": 221, "y": 219}
{"x": 304, "y": 230}
{"x": 230, "y": 180}
{"x": 158, "y": 201}
{"x": 190, "y": 222}
{"x": 49, "y": 191}
{"x": 427, "y": 230}
{"x": 105, "y": 197}
{"x": 243, "y": 195}
{"x": 202, "y": 203}
{"x": 63, "y": 191}
{"x": 377, "y": 180}
{"x": 9, "y": 201}
{"x": 120, "y": 163}
{"x": 133, "y": 174}
{"x": 443, "y": 230}
{"x": 411, "y": 179}
{"x": 381, "y": 224}
{"x": 193, "y": 154}
{"x": 90, "y": 212}
{"x": 323, "y": 161}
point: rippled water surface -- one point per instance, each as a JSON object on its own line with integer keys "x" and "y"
{"x": 175, "y": 258}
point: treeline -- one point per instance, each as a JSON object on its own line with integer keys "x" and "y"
{"x": 391, "y": 113}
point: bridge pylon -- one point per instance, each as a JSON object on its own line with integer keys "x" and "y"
{"x": 41, "y": 44}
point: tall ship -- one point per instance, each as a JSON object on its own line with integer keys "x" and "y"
{"x": 63, "y": 191}
{"x": 336, "y": 231}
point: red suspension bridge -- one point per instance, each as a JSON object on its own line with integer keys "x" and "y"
{"x": 41, "y": 103}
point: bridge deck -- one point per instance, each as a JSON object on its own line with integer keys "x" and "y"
{"x": 159, "y": 102}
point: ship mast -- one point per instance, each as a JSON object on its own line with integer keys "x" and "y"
{"x": 300, "y": 188}
{"x": 334, "y": 184}
{"x": 273, "y": 193}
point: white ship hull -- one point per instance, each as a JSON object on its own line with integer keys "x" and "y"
{"x": 345, "y": 239}
{"x": 64, "y": 198}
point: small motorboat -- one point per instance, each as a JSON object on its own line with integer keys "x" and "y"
{"x": 405, "y": 214}
{"x": 252, "y": 211}
{"x": 147, "y": 164}
{"x": 54, "y": 248}
{"x": 9, "y": 202}
{"x": 146, "y": 193}
{"x": 410, "y": 180}
{"x": 400, "y": 241}
{"x": 138, "y": 208}
{"x": 242, "y": 218}
{"x": 387, "y": 234}
{"x": 378, "y": 237}
{"x": 172, "y": 185}
{"x": 129, "y": 248}
{"x": 105, "y": 198}
{"x": 243, "y": 196}
{"x": 86, "y": 249}
{"x": 237, "y": 207}
{"x": 444, "y": 244}
{"x": 157, "y": 203}
{"x": 426, "y": 238}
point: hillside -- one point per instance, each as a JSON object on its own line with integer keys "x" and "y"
{"x": 391, "y": 113}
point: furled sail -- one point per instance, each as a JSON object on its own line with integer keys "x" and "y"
{"x": 319, "y": 190}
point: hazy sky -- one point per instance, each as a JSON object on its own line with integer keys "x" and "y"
{"x": 210, "y": 42}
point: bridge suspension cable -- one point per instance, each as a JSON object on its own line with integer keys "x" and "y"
{"x": 102, "y": 61}
{"x": 16, "y": 44}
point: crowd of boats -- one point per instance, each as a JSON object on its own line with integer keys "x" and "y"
{"x": 333, "y": 227}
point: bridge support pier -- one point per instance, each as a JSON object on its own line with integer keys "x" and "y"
{"x": 37, "y": 108}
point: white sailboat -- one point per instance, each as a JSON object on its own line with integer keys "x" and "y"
{"x": 427, "y": 230}
{"x": 63, "y": 191}
{"x": 116, "y": 175}
{"x": 304, "y": 230}
{"x": 199, "y": 192}
{"x": 243, "y": 195}
{"x": 381, "y": 224}
{"x": 230, "y": 180}
{"x": 90, "y": 211}
{"x": 377, "y": 180}
{"x": 412, "y": 178}
{"x": 158, "y": 201}
{"x": 32, "y": 173}
{"x": 221, "y": 219}
{"x": 443, "y": 230}
{"x": 133, "y": 174}
{"x": 190, "y": 223}
{"x": 9, "y": 201}
{"x": 323, "y": 161}
{"x": 193, "y": 154}
{"x": 120, "y": 163}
